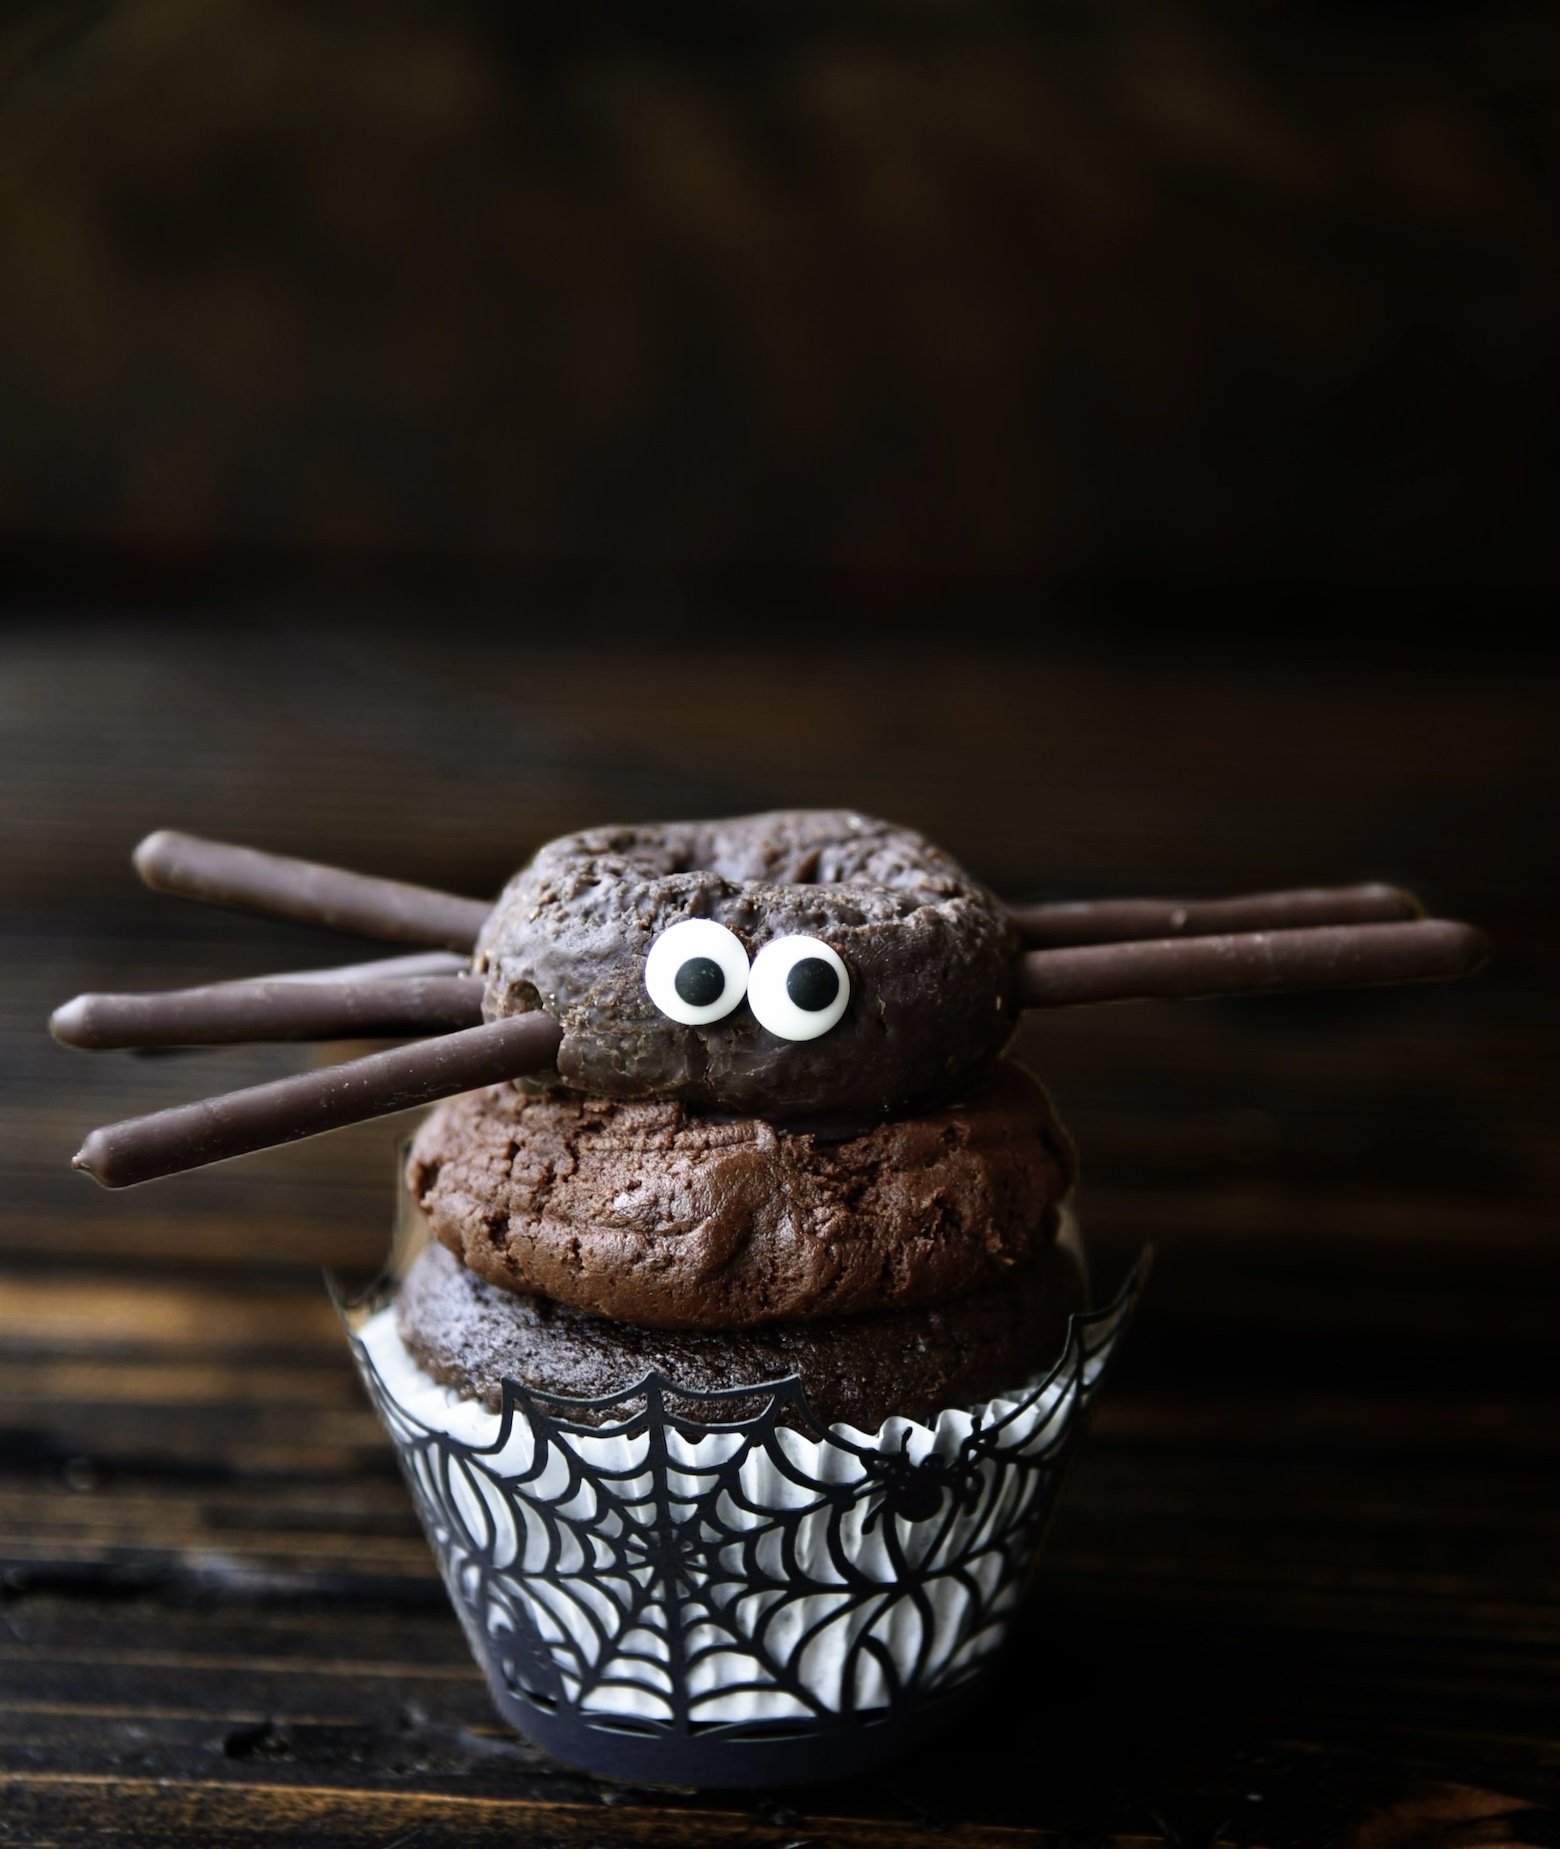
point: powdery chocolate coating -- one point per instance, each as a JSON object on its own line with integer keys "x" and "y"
{"x": 931, "y": 956}
{"x": 857, "y": 1369}
{"x": 655, "y": 1215}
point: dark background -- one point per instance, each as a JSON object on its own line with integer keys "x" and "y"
{"x": 1124, "y": 308}
{"x": 1119, "y": 441}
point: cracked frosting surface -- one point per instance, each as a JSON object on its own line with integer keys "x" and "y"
{"x": 931, "y": 956}
{"x": 652, "y": 1214}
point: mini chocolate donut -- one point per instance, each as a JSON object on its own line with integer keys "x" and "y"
{"x": 857, "y": 1369}
{"x": 650, "y": 1213}
{"x": 803, "y": 965}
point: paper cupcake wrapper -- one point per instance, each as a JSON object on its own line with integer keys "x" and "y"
{"x": 721, "y": 1601}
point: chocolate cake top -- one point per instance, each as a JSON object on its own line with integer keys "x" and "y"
{"x": 859, "y": 1369}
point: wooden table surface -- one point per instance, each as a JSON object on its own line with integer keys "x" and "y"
{"x": 1305, "y": 1588}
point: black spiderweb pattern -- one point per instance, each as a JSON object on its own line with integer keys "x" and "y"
{"x": 672, "y": 1574}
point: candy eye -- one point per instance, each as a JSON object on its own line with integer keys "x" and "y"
{"x": 696, "y": 972}
{"x": 798, "y": 988}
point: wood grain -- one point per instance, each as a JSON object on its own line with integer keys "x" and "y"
{"x": 1303, "y": 1588}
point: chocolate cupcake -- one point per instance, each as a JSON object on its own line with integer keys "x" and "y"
{"x": 738, "y": 1381}
{"x": 705, "y": 1585}
{"x": 876, "y": 1319}
{"x": 864, "y": 1284}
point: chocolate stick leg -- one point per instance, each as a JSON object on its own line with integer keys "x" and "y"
{"x": 1120, "y": 921}
{"x": 301, "y": 889}
{"x": 380, "y": 969}
{"x": 1335, "y": 957}
{"x": 191, "y": 1135}
{"x": 229, "y": 1012}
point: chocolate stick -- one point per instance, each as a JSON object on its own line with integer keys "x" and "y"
{"x": 380, "y": 969}
{"x": 1120, "y": 921}
{"x": 302, "y": 889}
{"x": 191, "y": 1135}
{"x": 228, "y": 1012}
{"x": 1333, "y": 957}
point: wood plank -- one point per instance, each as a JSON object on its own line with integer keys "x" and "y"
{"x": 96, "y": 1312}
{"x": 143, "y": 1810}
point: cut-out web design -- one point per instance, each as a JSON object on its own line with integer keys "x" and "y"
{"x": 675, "y": 1574}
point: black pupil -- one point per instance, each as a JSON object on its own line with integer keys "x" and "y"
{"x": 700, "y": 982}
{"x": 812, "y": 984}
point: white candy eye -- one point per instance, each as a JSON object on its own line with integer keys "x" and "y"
{"x": 798, "y": 988}
{"x": 696, "y": 972}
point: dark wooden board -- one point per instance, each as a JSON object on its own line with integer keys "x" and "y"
{"x": 1305, "y": 1587}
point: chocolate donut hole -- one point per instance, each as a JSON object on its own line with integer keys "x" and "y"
{"x": 652, "y": 1214}
{"x": 930, "y": 956}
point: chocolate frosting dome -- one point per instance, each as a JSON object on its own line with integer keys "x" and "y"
{"x": 928, "y": 958}
{"x": 653, "y": 1214}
